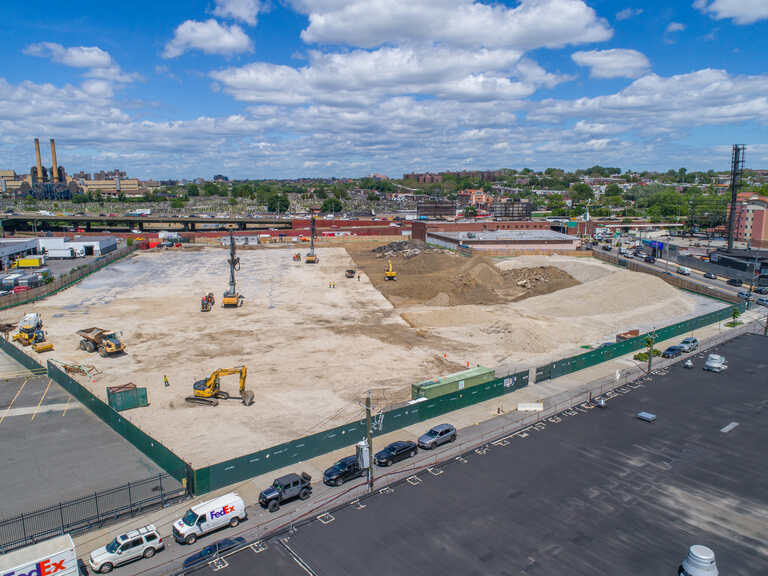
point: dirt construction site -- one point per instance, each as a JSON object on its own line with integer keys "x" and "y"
{"x": 315, "y": 341}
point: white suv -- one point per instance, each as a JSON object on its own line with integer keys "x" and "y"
{"x": 141, "y": 543}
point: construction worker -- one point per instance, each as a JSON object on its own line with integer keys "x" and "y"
{"x": 358, "y": 276}
{"x": 165, "y": 381}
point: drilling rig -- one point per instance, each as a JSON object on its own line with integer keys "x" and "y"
{"x": 311, "y": 257}
{"x": 231, "y": 298}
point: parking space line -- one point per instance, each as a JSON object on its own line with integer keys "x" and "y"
{"x": 298, "y": 559}
{"x": 66, "y": 406}
{"x": 42, "y": 398}
{"x": 326, "y": 518}
{"x": 7, "y": 410}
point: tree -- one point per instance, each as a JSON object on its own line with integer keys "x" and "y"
{"x": 321, "y": 194}
{"x": 555, "y": 201}
{"x": 470, "y": 212}
{"x": 332, "y": 205}
{"x": 278, "y": 203}
{"x": 178, "y": 202}
{"x": 193, "y": 190}
{"x": 580, "y": 192}
{"x": 373, "y": 197}
{"x": 612, "y": 190}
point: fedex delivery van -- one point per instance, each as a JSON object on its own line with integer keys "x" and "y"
{"x": 227, "y": 510}
{"x": 54, "y": 557}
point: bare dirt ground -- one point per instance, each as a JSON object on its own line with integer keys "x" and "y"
{"x": 439, "y": 277}
{"x": 313, "y": 351}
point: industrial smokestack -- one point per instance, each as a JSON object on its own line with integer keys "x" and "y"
{"x": 39, "y": 161}
{"x": 55, "y": 175}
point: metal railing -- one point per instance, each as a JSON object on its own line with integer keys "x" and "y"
{"x": 90, "y": 511}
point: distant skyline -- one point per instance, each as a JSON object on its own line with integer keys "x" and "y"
{"x": 300, "y": 88}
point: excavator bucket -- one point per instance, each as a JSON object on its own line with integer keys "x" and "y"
{"x": 247, "y": 397}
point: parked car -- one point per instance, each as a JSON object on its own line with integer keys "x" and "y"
{"x": 288, "y": 487}
{"x": 715, "y": 363}
{"x": 689, "y": 344}
{"x": 437, "y": 436}
{"x": 345, "y": 469}
{"x": 762, "y": 301}
{"x": 672, "y": 352}
{"x": 649, "y": 259}
{"x": 133, "y": 545}
{"x": 761, "y": 290}
{"x": 710, "y": 275}
{"x": 607, "y": 248}
{"x": 685, "y": 271}
{"x": 395, "y": 452}
{"x": 734, "y": 282}
{"x": 215, "y": 549}
{"x": 226, "y": 510}
{"x": 744, "y": 295}
{"x": 646, "y": 416}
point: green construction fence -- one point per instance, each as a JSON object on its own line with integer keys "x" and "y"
{"x": 574, "y": 363}
{"x": 153, "y": 449}
{"x": 264, "y": 461}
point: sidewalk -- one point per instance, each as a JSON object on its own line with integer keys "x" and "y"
{"x": 477, "y": 424}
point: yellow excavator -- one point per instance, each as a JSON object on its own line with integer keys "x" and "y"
{"x": 389, "y": 273}
{"x": 208, "y": 392}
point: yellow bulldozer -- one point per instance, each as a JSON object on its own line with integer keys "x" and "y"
{"x": 208, "y": 392}
{"x": 389, "y": 273}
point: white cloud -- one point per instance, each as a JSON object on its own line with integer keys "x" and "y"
{"x": 244, "y": 10}
{"x": 209, "y": 37}
{"x": 628, "y": 13}
{"x": 98, "y": 62}
{"x": 675, "y": 27}
{"x": 614, "y": 63}
{"x": 740, "y": 11}
{"x": 361, "y": 77}
{"x": 76, "y": 56}
{"x": 531, "y": 24}
{"x": 652, "y": 103}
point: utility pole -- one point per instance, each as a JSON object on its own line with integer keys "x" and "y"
{"x": 651, "y": 341}
{"x": 369, "y": 437}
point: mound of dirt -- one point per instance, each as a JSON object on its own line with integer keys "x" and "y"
{"x": 442, "y": 278}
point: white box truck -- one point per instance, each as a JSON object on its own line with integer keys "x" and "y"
{"x": 54, "y": 557}
{"x": 227, "y": 510}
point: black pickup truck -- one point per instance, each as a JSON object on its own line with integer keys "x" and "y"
{"x": 286, "y": 488}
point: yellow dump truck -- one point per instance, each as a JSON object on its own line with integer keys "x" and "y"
{"x": 105, "y": 341}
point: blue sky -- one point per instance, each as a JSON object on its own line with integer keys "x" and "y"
{"x": 292, "y": 88}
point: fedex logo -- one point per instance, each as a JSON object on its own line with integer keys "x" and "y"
{"x": 44, "y": 568}
{"x": 223, "y": 512}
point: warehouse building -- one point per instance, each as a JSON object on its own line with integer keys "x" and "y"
{"x": 79, "y": 246}
{"x": 13, "y": 248}
{"x": 505, "y": 240}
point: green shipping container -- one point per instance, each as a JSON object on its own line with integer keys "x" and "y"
{"x": 127, "y": 398}
{"x": 452, "y": 383}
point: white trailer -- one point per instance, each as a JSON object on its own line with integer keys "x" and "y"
{"x": 54, "y": 557}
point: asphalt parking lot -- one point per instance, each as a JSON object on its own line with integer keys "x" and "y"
{"x": 53, "y": 449}
{"x": 588, "y": 491}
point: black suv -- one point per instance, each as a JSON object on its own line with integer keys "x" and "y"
{"x": 345, "y": 469}
{"x": 734, "y": 282}
{"x": 672, "y": 352}
{"x": 395, "y": 452}
{"x": 650, "y": 259}
{"x": 286, "y": 488}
